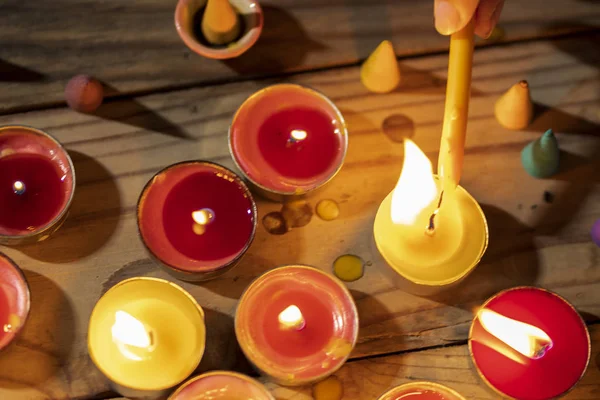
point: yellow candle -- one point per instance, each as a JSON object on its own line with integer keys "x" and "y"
{"x": 458, "y": 92}
{"x": 146, "y": 334}
{"x": 422, "y": 260}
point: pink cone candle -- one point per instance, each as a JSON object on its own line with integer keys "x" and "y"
{"x": 197, "y": 218}
{"x": 222, "y": 385}
{"x": 14, "y": 300}
{"x": 296, "y": 324}
{"x": 421, "y": 391}
{"x": 288, "y": 140}
{"x": 529, "y": 343}
{"x": 37, "y": 183}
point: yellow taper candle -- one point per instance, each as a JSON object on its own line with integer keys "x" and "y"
{"x": 458, "y": 92}
{"x": 146, "y": 335}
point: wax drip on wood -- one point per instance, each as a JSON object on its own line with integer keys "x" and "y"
{"x": 328, "y": 389}
{"x": 380, "y": 72}
{"x": 541, "y": 158}
{"x": 328, "y": 210}
{"x": 218, "y": 24}
{"x": 514, "y": 109}
{"x": 349, "y": 267}
{"x": 293, "y": 214}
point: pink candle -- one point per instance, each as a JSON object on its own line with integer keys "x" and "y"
{"x": 421, "y": 391}
{"x": 296, "y": 324}
{"x": 529, "y": 343}
{"x": 37, "y": 183}
{"x": 197, "y": 218}
{"x": 223, "y": 385}
{"x": 14, "y": 300}
{"x": 288, "y": 140}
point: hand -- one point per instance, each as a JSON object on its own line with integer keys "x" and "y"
{"x": 453, "y": 15}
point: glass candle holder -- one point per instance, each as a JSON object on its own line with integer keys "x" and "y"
{"x": 14, "y": 300}
{"x": 37, "y": 184}
{"x": 222, "y": 385}
{"x": 197, "y": 219}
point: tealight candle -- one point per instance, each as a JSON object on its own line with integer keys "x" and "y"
{"x": 197, "y": 218}
{"x": 296, "y": 324}
{"x": 14, "y": 300}
{"x": 421, "y": 391}
{"x": 430, "y": 243}
{"x": 36, "y": 184}
{"x": 288, "y": 140}
{"x": 224, "y": 385}
{"x": 146, "y": 335}
{"x": 529, "y": 343}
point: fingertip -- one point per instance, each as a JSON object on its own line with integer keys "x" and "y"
{"x": 447, "y": 18}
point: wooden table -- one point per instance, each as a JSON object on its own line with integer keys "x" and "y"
{"x": 166, "y": 104}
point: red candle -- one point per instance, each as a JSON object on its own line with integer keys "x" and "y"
{"x": 529, "y": 343}
{"x": 36, "y": 184}
{"x": 14, "y": 300}
{"x": 421, "y": 391}
{"x": 297, "y": 324}
{"x": 197, "y": 218}
{"x": 224, "y": 385}
{"x": 288, "y": 140}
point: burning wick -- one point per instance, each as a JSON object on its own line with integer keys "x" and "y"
{"x": 527, "y": 339}
{"x": 19, "y": 188}
{"x": 129, "y": 331}
{"x": 430, "y": 230}
{"x": 202, "y": 218}
{"x": 291, "y": 318}
{"x": 297, "y": 135}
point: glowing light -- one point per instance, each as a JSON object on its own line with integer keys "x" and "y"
{"x": 416, "y": 188}
{"x": 19, "y": 187}
{"x": 530, "y": 341}
{"x": 129, "y": 331}
{"x": 291, "y": 318}
{"x": 298, "y": 134}
{"x": 203, "y": 217}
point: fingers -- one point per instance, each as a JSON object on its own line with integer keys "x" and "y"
{"x": 487, "y": 16}
{"x": 453, "y": 15}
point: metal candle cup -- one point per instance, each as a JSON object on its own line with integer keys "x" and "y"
{"x": 146, "y": 335}
{"x": 421, "y": 391}
{"x": 296, "y": 354}
{"x": 529, "y": 343}
{"x": 14, "y": 300}
{"x": 229, "y": 385}
{"x": 197, "y": 219}
{"x": 288, "y": 140}
{"x": 37, "y": 184}
{"x": 421, "y": 262}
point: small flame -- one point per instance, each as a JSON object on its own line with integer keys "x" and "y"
{"x": 129, "y": 331}
{"x": 527, "y": 339}
{"x": 416, "y": 188}
{"x": 18, "y": 187}
{"x": 203, "y": 216}
{"x": 291, "y": 318}
{"x": 298, "y": 134}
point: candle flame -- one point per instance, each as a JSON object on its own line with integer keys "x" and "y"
{"x": 129, "y": 331}
{"x": 291, "y": 318}
{"x": 18, "y": 187}
{"x": 530, "y": 341}
{"x": 416, "y": 188}
{"x": 298, "y": 134}
{"x": 203, "y": 216}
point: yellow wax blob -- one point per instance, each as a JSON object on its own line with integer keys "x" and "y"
{"x": 449, "y": 254}
{"x": 146, "y": 334}
{"x": 328, "y": 389}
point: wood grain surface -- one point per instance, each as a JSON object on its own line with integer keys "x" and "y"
{"x": 133, "y": 46}
{"x": 532, "y": 242}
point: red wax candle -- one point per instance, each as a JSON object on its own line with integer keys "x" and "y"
{"x": 221, "y": 385}
{"x": 14, "y": 300}
{"x": 197, "y": 218}
{"x": 288, "y": 139}
{"x": 36, "y": 184}
{"x": 562, "y": 354}
{"x": 421, "y": 391}
{"x": 320, "y": 336}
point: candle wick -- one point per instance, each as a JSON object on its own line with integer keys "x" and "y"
{"x": 430, "y": 230}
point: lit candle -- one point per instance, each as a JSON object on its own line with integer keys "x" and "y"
{"x": 146, "y": 335}
{"x": 529, "y": 343}
{"x": 197, "y": 218}
{"x": 14, "y": 300}
{"x": 288, "y": 140}
{"x": 296, "y": 324}
{"x": 223, "y": 385}
{"x": 458, "y": 92}
{"x": 36, "y": 185}
{"x": 421, "y": 391}
{"x": 427, "y": 257}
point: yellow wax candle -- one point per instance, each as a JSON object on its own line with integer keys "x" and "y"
{"x": 458, "y": 92}
{"x": 419, "y": 258}
{"x": 146, "y": 334}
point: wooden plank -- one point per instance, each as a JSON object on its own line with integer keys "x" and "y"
{"x": 133, "y": 45}
{"x": 450, "y": 366}
{"x": 546, "y": 245}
